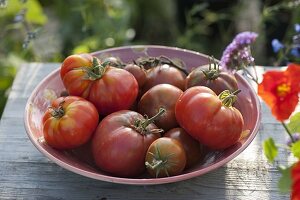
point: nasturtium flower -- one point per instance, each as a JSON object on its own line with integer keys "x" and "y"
{"x": 279, "y": 89}
{"x": 295, "y": 195}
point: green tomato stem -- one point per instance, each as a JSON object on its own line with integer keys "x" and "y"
{"x": 140, "y": 125}
{"x": 154, "y": 165}
{"x": 228, "y": 98}
{"x": 96, "y": 71}
{"x": 213, "y": 71}
{"x": 58, "y": 112}
{"x": 152, "y": 119}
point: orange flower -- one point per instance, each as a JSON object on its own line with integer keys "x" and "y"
{"x": 295, "y": 195}
{"x": 279, "y": 89}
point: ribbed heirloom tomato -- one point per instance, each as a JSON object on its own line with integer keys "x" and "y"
{"x": 69, "y": 122}
{"x": 121, "y": 141}
{"x": 209, "y": 118}
{"x": 109, "y": 88}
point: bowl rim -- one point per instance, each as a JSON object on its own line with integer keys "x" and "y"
{"x": 141, "y": 181}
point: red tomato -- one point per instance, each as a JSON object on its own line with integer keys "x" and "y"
{"x": 165, "y": 157}
{"x": 138, "y": 72}
{"x": 193, "y": 149}
{"x": 121, "y": 141}
{"x": 164, "y": 74}
{"x": 161, "y": 96}
{"x": 69, "y": 122}
{"x": 210, "y": 119}
{"x": 110, "y": 89}
{"x": 211, "y": 77}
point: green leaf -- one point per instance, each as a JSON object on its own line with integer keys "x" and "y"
{"x": 296, "y": 149}
{"x": 35, "y": 12}
{"x": 285, "y": 181}
{"x": 270, "y": 149}
{"x": 293, "y": 125}
{"x": 33, "y": 15}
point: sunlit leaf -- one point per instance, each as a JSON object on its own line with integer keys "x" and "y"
{"x": 35, "y": 12}
{"x": 270, "y": 149}
{"x": 12, "y": 8}
{"x": 87, "y": 45}
{"x": 83, "y": 48}
{"x": 293, "y": 125}
{"x": 296, "y": 149}
{"x": 285, "y": 181}
{"x": 5, "y": 82}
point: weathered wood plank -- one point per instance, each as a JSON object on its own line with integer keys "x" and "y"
{"x": 26, "y": 174}
{"x": 32, "y": 177}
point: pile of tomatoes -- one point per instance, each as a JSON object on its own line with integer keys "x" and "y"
{"x": 149, "y": 115}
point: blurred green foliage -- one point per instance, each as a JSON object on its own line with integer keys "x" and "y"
{"x": 50, "y": 30}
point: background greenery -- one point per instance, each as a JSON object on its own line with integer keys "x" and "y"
{"x": 50, "y": 30}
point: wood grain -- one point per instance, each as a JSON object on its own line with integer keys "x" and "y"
{"x": 26, "y": 174}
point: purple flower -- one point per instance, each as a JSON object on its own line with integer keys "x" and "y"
{"x": 244, "y": 39}
{"x": 237, "y": 54}
{"x": 296, "y": 137}
{"x": 277, "y": 45}
{"x": 297, "y": 28}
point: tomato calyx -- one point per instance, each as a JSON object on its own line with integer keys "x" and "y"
{"x": 159, "y": 162}
{"x": 114, "y": 62}
{"x": 96, "y": 71}
{"x": 58, "y": 112}
{"x": 150, "y": 62}
{"x": 213, "y": 70}
{"x": 140, "y": 125}
{"x": 228, "y": 98}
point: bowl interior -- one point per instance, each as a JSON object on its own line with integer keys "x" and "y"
{"x": 80, "y": 161}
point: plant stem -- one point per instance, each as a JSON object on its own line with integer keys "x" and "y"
{"x": 288, "y": 131}
{"x": 282, "y": 55}
{"x": 151, "y": 120}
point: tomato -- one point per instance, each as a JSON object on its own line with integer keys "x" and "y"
{"x": 209, "y": 118}
{"x": 109, "y": 88}
{"x": 138, "y": 72}
{"x": 121, "y": 141}
{"x": 211, "y": 77}
{"x": 165, "y": 157}
{"x": 164, "y": 74}
{"x": 161, "y": 96}
{"x": 69, "y": 122}
{"x": 162, "y": 70}
{"x": 193, "y": 149}
{"x": 114, "y": 62}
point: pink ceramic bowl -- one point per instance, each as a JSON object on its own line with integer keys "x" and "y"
{"x": 79, "y": 161}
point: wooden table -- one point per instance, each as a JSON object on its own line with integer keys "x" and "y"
{"x": 26, "y": 174}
